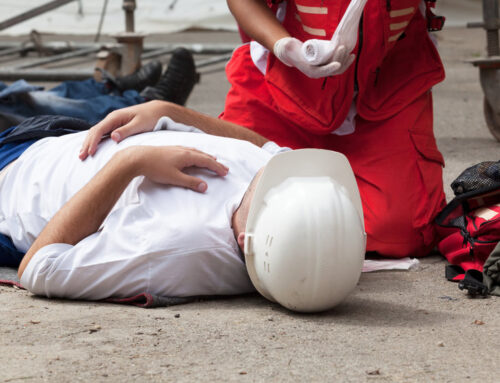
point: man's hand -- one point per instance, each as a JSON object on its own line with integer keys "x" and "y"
{"x": 123, "y": 123}
{"x": 165, "y": 165}
{"x": 289, "y": 51}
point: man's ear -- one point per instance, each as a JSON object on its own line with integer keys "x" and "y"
{"x": 241, "y": 241}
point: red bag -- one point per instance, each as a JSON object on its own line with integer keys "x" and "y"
{"x": 470, "y": 225}
{"x": 471, "y": 238}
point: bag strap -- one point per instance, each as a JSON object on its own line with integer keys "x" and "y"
{"x": 470, "y": 280}
{"x": 454, "y": 273}
{"x": 473, "y": 283}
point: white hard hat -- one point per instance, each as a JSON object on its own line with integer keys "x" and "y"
{"x": 304, "y": 239}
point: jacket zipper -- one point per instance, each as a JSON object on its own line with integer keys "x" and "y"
{"x": 488, "y": 221}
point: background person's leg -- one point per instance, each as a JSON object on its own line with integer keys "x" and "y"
{"x": 87, "y": 100}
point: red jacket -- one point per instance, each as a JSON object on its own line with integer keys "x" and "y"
{"x": 396, "y": 63}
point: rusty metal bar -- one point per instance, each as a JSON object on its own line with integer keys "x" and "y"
{"x": 101, "y": 21}
{"x": 492, "y": 62}
{"x": 45, "y": 74}
{"x": 200, "y": 48}
{"x": 490, "y": 16}
{"x": 54, "y": 45}
{"x": 154, "y": 53}
{"x": 33, "y": 13}
{"x": 475, "y": 24}
{"x": 199, "y": 64}
{"x": 10, "y": 51}
{"x": 213, "y": 60}
{"x": 75, "y": 74}
{"x": 60, "y": 57}
{"x": 129, "y": 8}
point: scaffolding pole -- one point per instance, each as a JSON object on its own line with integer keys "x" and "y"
{"x": 45, "y": 74}
{"x": 33, "y": 13}
{"x": 60, "y": 57}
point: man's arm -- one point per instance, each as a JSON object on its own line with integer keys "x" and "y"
{"x": 136, "y": 119}
{"x": 84, "y": 213}
{"x": 212, "y": 125}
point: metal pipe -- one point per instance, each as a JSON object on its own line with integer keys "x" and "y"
{"x": 75, "y": 74}
{"x": 101, "y": 21}
{"x": 10, "y": 51}
{"x": 45, "y": 74}
{"x": 153, "y": 53}
{"x": 49, "y": 44}
{"x": 33, "y": 13}
{"x": 129, "y": 8}
{"x": 60, "y": 57}
{"x": 213, "y": 60}
{"x": 199, "y": 48}
{"x": 199, "y": 64}
{"x": 475, "y": 24}
{"x": 490, "y": 16}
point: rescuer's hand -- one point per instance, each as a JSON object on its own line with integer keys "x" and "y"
{"x": 342, "y": 43}
{"x": 289, "y": 51}
{"x": 322, "y": 52}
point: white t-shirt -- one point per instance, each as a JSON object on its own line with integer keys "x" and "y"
{"x": 163, "y": 240}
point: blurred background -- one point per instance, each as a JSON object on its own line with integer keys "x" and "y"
{"x": 82, "y": 17}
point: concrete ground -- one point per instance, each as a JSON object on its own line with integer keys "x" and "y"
{"x": 396, "y": 327}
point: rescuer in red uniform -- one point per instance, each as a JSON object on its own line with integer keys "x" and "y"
{"x": 377, "y": 111}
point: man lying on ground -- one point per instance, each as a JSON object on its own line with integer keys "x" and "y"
{"x": 152, "y": 215}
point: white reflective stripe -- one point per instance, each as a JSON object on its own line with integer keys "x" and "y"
{"x": 311, "y": 31}
{"x": 396, "y": 26}
{"x": 314, "y": 31}
{"x": 401, "y": 12}
{"x": 394, "y": 37}
{"x": 312, "y": 10}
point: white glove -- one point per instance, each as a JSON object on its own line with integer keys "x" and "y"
{"x": 320, "y": 52}
{"x": 289, "y": 51}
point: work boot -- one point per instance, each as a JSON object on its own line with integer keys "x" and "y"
{"x": 177, "y": 82}
{"x": 146, "y": 75}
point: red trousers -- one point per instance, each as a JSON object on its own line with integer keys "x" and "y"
{"x": 397, "y": 164}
